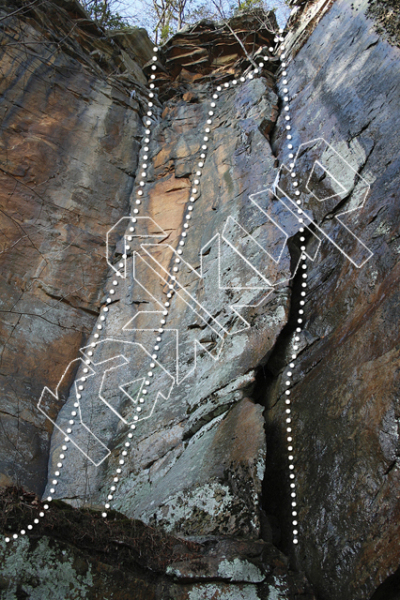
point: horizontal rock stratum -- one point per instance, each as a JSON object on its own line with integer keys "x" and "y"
{"x": 202, "y": 507}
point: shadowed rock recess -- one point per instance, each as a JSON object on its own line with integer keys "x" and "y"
{"x": 202, "y": 508}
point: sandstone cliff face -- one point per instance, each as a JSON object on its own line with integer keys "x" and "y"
{"x": 344, "y": 83}
{"x": 210, "y": 462}
{"x": 70, "y": 135}
{"x": 184, "y": 473}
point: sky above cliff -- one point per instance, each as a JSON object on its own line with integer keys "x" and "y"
{"x": 138, "y": 11}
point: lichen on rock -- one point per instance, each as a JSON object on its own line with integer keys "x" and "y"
{"x": 205, "y": 499}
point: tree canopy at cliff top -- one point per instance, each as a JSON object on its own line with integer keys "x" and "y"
{"x": 162, "y": 18}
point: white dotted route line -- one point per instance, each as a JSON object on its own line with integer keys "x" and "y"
{"x": 194, "y": 195}
{"x": 99, "y": 327}
{"x": 289, "y": 374}
{"x": 288, "y": 382}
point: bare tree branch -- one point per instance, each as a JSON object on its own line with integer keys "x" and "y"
{"x": 234, "y": 34}
{"x": 19, "y": 10}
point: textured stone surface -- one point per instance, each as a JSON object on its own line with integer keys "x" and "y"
{"x": 344, "y": 84}
{"x": 387, "y": 17}
{"x": 197, "y": 464}
{"x": 195, "y": 467}
{"x": 48, "y": 569}
{"x": 209, "y": 48}
{"x": 76, "y": 553}
{"x": 70, "y": 135}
